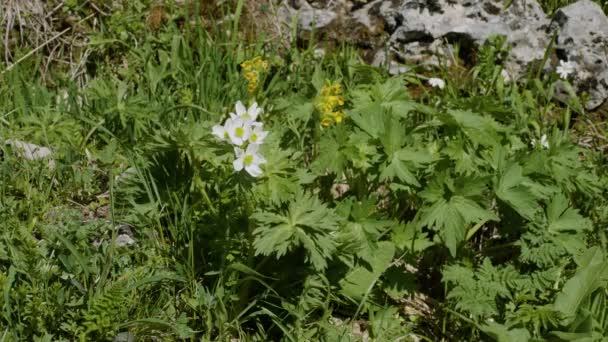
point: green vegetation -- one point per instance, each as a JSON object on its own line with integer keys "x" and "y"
{"x": 386, "y": 208}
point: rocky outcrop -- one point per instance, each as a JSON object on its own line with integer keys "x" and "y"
{"x": 583, "y": 39}
{"x": 425, "y": 31}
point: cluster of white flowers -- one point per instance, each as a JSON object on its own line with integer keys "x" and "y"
{"x": 246, "y": 134}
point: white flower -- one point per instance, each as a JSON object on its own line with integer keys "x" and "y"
{"x": 505, "y": 76}
{"x": 436, "y": 83}
{"x": 564, "y": 69}
{"x": 318, "y": 53}
{"x": 220, "y": 132}
{"x": 247, "y": 114}
{"x": 544, "y": 142}
{"x": 249, "y": 160}
{"x": 257, "y": 135}
{"x": 238, "y": 130}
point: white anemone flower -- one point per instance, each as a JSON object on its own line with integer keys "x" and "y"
{"x": 437, "y": 83}
{"x": 247, "y": 114}
{"x": 220, "y": 132}
{"x": 257, "y": 135}
{"x": 564, "y": 69}
{"x": 544, "y": 142}
{"x": 249, "y": 160}
{"x": 238, "y": 130}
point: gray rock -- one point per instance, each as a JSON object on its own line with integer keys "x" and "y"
{"x": 315, "y": 19}
{"x": 124, "y": 240}
{"x": 470, "y": 23}
{"x": 30, "y": 151}
{"x": 583, "y": 39}
{"x": 394, "y": 32}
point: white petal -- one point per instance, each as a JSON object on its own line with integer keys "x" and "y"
{"x": 253, "y": 111}
{"x": 252, "y": 149}
{"x": 247, "y": 131}
{"x": 254, "y": 170}
{"x": 261, "y": 136}
{"x": 240, "y": 108}
{"x": 238, "y": 152}
{"x": 259, "y": 159}
{"x": 238, "y": 163}
{"x": 236, "y": 141}
{"x": 219, "y": 131}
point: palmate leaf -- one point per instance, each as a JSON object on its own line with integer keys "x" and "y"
{"x": 281, "y": 183}
{"x": 369, "y": 118}
{"x": 482, "y": 130}
{"x": 451, "y": 217}
{"x": 390, "y": 95}
{"x": 307, "y": 223}
{"x": 331, "y": 157}
{"x": 359, "y": 281}
{"x": 511, "y": 190}
{"x": 563, "y": 218}
{"x": 403, "y": 164}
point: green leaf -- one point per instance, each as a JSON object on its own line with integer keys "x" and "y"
{"x": 331, "y": 156}
{"x": 482, "y": 130}
{"x": 306, "y": 222}
{"x": 518, "y": 196}
{"x": 318, "y": 78}
{"x": 403, "y": 164}
{"x": 451, "y": 217}
{"x": 360, "y": 280}
{"x": 503, "y": 333}
{"x": 563, "y": 218}
{"x": 409, "y": 237}
{"x": 591, "y": 274}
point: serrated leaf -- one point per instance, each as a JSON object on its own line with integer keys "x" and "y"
{"x": 358, "y": 282}
{"x": 563, "y": 218}
{"x": 331, "y": 157}
{"x": 482, "y": 130}
{"x": 403, "y": 164}
{"x": 306, "y": 222}
{"x": 591, "y": 274}
{"x": 450, "y": 218}
{"x": 397, "y": 283}
{"x": 409, "y": 237}
{"x": 517, "y": 196}
{"x": 370, "y": 118}
{"x": 503, "y": 333}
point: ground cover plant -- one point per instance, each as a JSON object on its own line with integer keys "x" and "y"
{"x": 207, "y": 185}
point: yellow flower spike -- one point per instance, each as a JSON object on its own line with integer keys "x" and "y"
{"x": 329, "y": 101}
{"x": 251, "y": 72}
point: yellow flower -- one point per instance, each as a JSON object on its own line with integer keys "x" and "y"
{"x": 252, "y": 69}
{"x": 328, "y": 103}
{"x": 326, "y": 121}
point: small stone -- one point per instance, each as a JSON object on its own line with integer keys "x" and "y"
{"x": 124, "y": 240}
{"x": 31, "y": 151}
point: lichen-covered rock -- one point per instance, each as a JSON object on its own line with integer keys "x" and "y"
{"x": 389, "y": 32}
{"x": 583, "y": 39}
{"x": 425, "y": 25}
